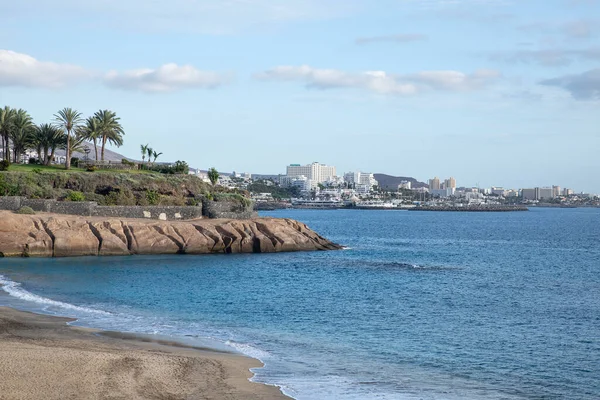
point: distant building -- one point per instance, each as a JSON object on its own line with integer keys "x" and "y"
{"x": 545, "y": 193}
{"x": 299, "y": 181}
{"x": 405, "y": 185}
{"x": 434, "y": 184}
{"x": 316, "y": 172}
{"x": 442, "y": 192}
{"x": 529, "y": 194}
{"x": 498, "y": 191}
{"x": 361, "y": 178}
{"x": 555, "y": 191}
{"x": 450, "y": 183}
{"x": 567, "y": 192}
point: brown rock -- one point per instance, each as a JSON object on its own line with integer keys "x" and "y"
{"x": 46, "y": 235}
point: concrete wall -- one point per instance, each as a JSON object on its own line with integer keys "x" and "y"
{"x": 91, "y": 208}
{"x": 228, "y": 209}
{"x": 153, "y": 212}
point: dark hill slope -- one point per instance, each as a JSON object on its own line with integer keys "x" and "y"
{"x": 391, "y": 182}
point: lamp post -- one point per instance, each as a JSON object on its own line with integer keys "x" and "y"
{"x": 86, "y": 150}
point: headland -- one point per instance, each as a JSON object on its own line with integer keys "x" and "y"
{"x": 56, "y": 235}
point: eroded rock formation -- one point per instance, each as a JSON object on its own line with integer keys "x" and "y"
{"x": 46, "y": 235}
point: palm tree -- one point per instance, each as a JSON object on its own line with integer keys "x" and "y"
{"x": 91, "y": 131}
{"x": 77, "y": 141}
{"x": 58, "y": 140}
{"x": 6, "y": 117}
{"x": 40, "y": 141}
{"x": 149, "y": 151}
{"x": 155, "y": 155}
{"x": 68, "y": 119}
{"x": 110, "y": 129}
{"x": 48, "y": 137}
{"x": 144, "y": 149}
{"x": 21, "y": 134}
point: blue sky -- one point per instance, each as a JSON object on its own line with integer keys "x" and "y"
{"x": 492, "y": 92}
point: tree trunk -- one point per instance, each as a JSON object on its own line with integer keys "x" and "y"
{"x": 103, "y": 145}
{"x": 51, "y": 155}
{"x": 68, "y": 152}
{"x": 45, "y": 155}
{"x": 95, "y": 150}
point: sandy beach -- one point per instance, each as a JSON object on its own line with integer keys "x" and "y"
{"x": 41, "y": 357}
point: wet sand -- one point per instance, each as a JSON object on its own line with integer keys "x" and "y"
{"x": 43, "y": 358}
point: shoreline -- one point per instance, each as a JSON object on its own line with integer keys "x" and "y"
{"x": 44, "y": 357}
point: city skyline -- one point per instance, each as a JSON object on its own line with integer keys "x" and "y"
{"x": 495, "y": 92}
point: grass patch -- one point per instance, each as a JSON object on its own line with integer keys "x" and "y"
{"x": 61, "y": 168}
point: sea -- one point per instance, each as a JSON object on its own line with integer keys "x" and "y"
{"x": 418, "y": 305}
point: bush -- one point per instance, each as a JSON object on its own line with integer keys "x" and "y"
{"x": 75, "y": 162}
{"x": 32, "y": 160}
{"x": 125, "y": 161}
{"x": 75, "y": 196}
{"x": 152, "y": 197}
{"x": 25, "y": 210}
{"x": 91, "y": 168}
{"x": 180, "y": 167}
{"x": 7, "y": 188}
{"x": 4, "y": 164}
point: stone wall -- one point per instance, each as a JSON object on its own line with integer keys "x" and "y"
{"x": 165, "y": 213}
{"x": 228, "y": 209}
{"x": 91, "y": 208}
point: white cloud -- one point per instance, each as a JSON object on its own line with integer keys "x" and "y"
{"x": 17, "y": 69}
{"x": 167, "y": 78}
{"x": 380, "y": 81}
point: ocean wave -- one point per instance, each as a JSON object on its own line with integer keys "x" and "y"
{"x": 16, "y": 290}
{"x": 249, "y": 350}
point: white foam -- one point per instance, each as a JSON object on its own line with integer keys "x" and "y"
{"x": 14, "y": 289}
{"x": 249, "y": 350}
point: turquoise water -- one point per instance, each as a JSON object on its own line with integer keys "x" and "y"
{"x": 420, "y": 305}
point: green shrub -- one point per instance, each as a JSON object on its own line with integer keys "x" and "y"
{"x": 125, "y": 161}
{"x": 75, "y": 196}
{"x": 74, "y": 162}
{"x": 152, "y": 197}
{"x": 180, "y": 167}
{"x": 91, "y": 168}
{"x": 7, "y": 188}
{"x": 25, "y": 210}
{"x": 4, "y": 164}
{"x": 37, "y": 170}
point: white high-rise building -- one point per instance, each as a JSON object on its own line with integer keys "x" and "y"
{"x": 361, "y": 178}
{"x": 315, "y": 172}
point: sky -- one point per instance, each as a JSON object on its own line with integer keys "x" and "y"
{"x": 491, "y": 92}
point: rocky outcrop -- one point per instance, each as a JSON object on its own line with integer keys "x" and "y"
{"x": 48, "y": 235}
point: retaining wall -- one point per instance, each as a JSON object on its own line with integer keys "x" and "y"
{"x": 91, "y": 208}
{"x": 228, "y": 209}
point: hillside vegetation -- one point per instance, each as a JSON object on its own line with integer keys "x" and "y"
{"x": 106, "y": 188}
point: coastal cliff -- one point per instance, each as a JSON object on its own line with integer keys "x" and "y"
{"x": 49, "y": 235}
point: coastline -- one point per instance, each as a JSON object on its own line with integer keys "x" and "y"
{"x": 43, "y": 357}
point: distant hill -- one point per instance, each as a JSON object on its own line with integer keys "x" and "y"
{"x": 392, "y": 182}
{"x": 109, "y": 155}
